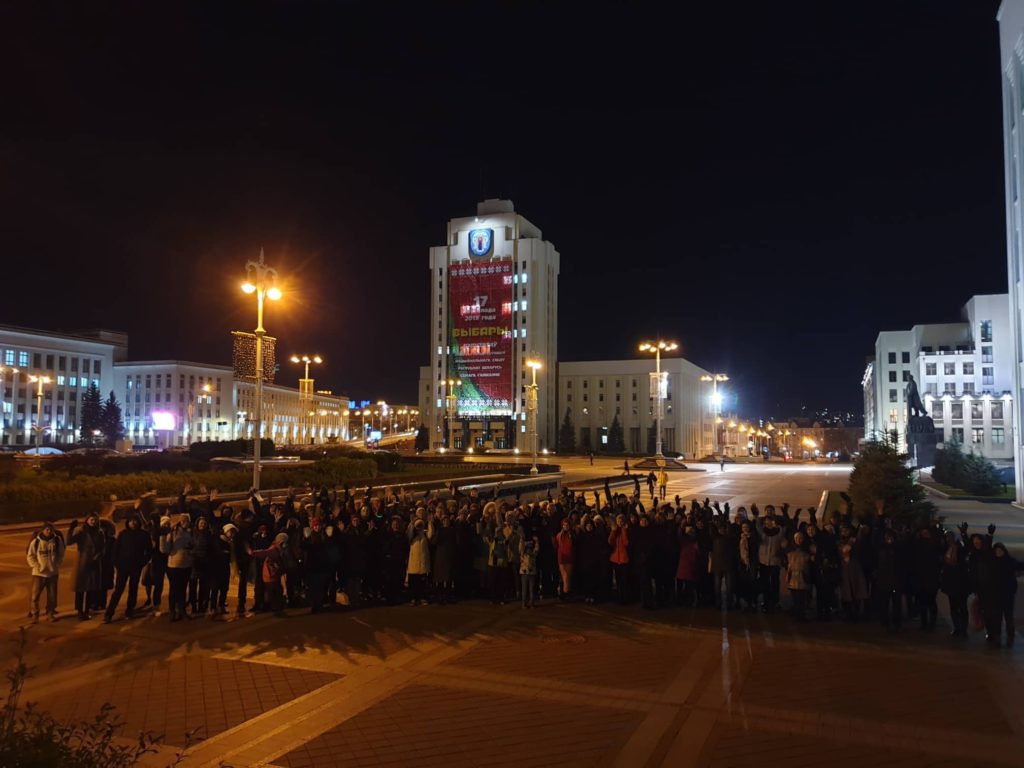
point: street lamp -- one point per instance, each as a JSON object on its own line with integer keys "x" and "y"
{"x": 531, "y": 411}
{"x": 657, "y": 347}
{"x": 306, "y": 385}
{"x": 452, "y": 384}
{"x": 716, "y": 400}
{"x": 3, "y": 390}
{"x": 261, "y": 280}
{"x": 40, "y": 380}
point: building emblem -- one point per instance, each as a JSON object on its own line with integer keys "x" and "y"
{"x": 480, "y": 242}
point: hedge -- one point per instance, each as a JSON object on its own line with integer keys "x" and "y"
{"x": 43, "y": 489}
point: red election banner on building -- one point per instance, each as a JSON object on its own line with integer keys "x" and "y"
{"x": 480, "y": 335}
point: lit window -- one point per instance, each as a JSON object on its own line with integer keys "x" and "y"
{"x": 522, "y": 278}
{"x": 522, "y": 305}
{"x": 23, "y": 359}
{"x": 60, "y": 381}
{"x": 8, "y": 357}
{"x": 73, "y": 381}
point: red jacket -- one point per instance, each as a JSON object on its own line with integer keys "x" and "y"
{"x": 619, "y": 540}
{"x": 564, "y": 546}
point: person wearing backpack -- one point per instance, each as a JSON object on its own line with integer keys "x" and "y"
{"x": 272, "y": 572}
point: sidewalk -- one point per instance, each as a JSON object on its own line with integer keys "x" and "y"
{"x": 473, "y": 684}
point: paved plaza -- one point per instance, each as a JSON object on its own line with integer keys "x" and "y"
{"x": 562, "y": 685}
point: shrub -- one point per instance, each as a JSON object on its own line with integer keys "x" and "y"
{"x": 968, "y": 472}
{"x": 207, "y": 451}
{"x": 31, "y": 738}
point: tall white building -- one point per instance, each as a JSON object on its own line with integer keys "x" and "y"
{"x": 964, "y": 375}
{"x": 72, "y": 362}
{"x": 493, "y": 306}
{"x": 1011, "y": 45}
{"x": 175, "y": 403}
{"x": 594, "y": 392}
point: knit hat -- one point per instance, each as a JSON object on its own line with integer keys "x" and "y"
{"x": 165, "y": 520}
{"x": 230, "y": 527}
{"x": 281, "y": 539}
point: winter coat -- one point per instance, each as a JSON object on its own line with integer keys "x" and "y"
{"x": 797, "y": 563}
{"x": 769, "y": 548}
{"x": 177, "y": 545}
{"x": 953, "y": 576}
{"x": 888, "y": 570}
{"x": 927, "y": 565}
{"x": 89, "y": 544}
{"x": 202, "y": 545}
{"x": 852, "y": 584}
{"x": 395, "y": 551}
{"x": 444, "y": 554}
{"x": 565, "y": 544}
{"x": 132, "y": 550}
{"x": 618, "y": 539}
{"x": 527, "y": 560}
{"x": 45, "y": 555}
{"x": 419, "y": 548}
{"x": 689, "y": 567}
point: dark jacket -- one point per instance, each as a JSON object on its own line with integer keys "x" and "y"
{"x": 89, "y": 544}
{"x": 132, "y": 550}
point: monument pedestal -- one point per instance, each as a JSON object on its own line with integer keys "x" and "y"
{"x": 921, "y": 441}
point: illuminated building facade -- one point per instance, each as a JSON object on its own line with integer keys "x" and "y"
{"x": 493, "y": 306}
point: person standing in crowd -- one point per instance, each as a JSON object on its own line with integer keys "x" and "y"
{"x": 528, "y": 570}
{"x": 769, "y": 558}
{"x": 271, "y": 562}
{"x": 1001, "y": 594}
{"x": 445, "y": 546}
{"x": 618, "y": 540}
{"x": 662, "y": 484}
{"x": 89, "y": 544}
{"x": 420, "y": 533}
{"x": 224, "y": 549}
{"x": 394, "y": 558}
{"x": 565, "y": 550}
{"x": 200, "y": 582}
{"x": 927, "y": 571}
{"x": 798, "y": 563}
{"x": 953, "y": 582}
{"x": 157, "y": 564}
{"x": 316, "y": 562}
{"x": 45, "y": 555}
{"x": 177, "y": 544}
{"x": 132, "y": 550}
{"x": 889, "y": 581}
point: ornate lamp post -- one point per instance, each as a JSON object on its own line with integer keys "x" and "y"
{"x": 261, "y": 280}
{"x": 40, "y": 381}
{"x": 531, "y": 412}
{"x": 657, "y": 347}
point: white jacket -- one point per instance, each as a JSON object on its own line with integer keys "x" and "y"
{"x": 419, "y": 548}
{"x": 45, "y": 555}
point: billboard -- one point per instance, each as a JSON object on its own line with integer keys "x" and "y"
{"x": 480, "y": 334}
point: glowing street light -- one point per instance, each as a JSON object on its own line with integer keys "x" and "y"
{"x": 716, "y": 399}
{"x": 306, "y": 387}
{"x": 531, "y": 411}
{"x": 657, "y": 347}
{"x": 261, "y": 280}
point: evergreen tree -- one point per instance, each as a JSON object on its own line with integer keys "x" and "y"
{"x": 422, "y": 438}
{"x": 567, "y": 434}
{"x": 616, "y": 440}
{"x": 882, "y": 483}
{"x": 110, "y": 421}
{"x": 92, "y": 415}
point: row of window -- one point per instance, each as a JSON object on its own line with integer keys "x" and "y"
{"x": 977, "y": 435}
{"x": 20, "y": 358}
{"x": 949, "y": 369}
{"x": 600, "y": 383}
{"x": 193, "y": 383}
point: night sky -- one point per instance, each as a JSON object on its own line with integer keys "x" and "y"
{"x": 770, "y": 186}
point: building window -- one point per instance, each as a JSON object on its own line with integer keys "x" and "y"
{"x": 998, "y": 436}
{"x": 60, "y": 381}
{"x": 568, "y": 384}
{"x": 892, "y": 415}
{"x": 977, "y": 411}
{"x": 929, "y": 369}
{"x": 986, "y": 331}
{"x": 968, "y": 369}
{"x": 8, "y": 357}
{"x": 958, "y": 434}
{"x": 568, "y": 398}
{"x": 584, "y": 383}
{"x": 997, "y": 411}
{"x": 23, "y": 359}
{"x": 937, "y": 409}
{"x": 73, "y": 381}
{"x": 892, "y": 358}
{"x": 949, "y": 369}
{"x": 892, "y": 377}
{"x": 584, "y": 398}
{"x": 49, "y": 362}
{"x": 949, "y": 388}
{"x": 968, "y": 387}
{"x": 977, "y": 435}
{"x": 956, "y": 411}
{"x": 634, "y": 397}
{"x": 892, "y": 396}
{"x": 906, "y": 375}
{"x": 986, "y": 354}
{"x": 988, "y": 376}
{"x": 905, "y": 356}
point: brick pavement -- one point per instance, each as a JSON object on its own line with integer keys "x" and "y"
{"x": 564, "y": 684}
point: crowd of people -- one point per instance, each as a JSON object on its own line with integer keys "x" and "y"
{"x": 320, "y": 547}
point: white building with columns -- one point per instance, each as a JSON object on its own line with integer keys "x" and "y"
{"x": 171, "y": 403}
{"x": 493, "y": 306}
{"x": 964, "y": 374}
